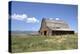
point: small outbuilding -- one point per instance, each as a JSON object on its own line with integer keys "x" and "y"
{"x": 54, "y": 27}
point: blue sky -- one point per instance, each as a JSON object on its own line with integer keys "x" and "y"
{"x": 27, "y": 16}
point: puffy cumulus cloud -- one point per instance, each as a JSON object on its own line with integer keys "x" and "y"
{"x": 32, "y": 20}
{"x": 57, "y": 18}
{"x": 19, "y": 16}
{"x": 24, "y": 17}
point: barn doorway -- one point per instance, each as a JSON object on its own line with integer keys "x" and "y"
{"x": 45, "y": 32}
{"x": 53, "y": 33}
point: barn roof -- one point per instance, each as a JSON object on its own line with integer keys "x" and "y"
{"x": 54, "y": 24}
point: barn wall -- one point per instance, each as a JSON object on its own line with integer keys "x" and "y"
{"x": 43, "y": 28}
{"x": 62, "y": 32}
{"x": 50, "y": 33}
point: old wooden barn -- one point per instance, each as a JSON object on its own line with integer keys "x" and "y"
{"x": 54, "y": 27}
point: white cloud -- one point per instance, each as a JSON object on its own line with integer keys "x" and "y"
{"x": 32, "y": 20}
{"x": 57, "y": 18}
{"x": 24, "y": 17}
{"x": 19, "y": 16}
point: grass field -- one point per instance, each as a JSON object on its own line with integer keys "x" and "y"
{"x": 43, "y": 43}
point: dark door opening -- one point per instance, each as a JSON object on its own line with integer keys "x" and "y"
{"x": 45, "y": 32}
{"x": 53, "y": 32}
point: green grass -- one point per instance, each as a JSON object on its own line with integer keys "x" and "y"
{"x": 43, "y": 43}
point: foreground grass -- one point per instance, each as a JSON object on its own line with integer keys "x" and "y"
{"x": 43, "y": 43}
